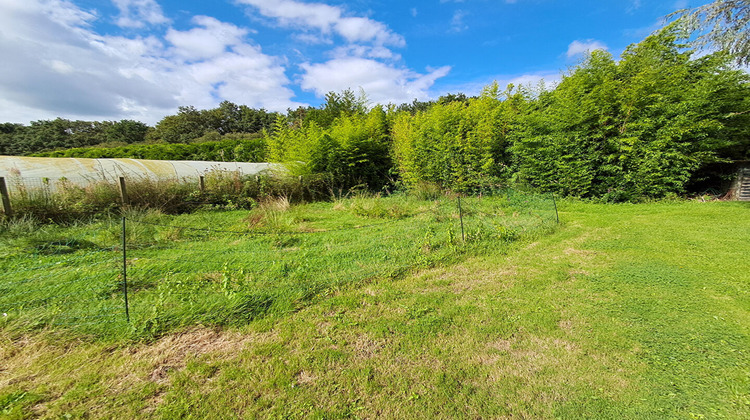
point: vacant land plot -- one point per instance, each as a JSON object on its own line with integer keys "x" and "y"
{"x": 230, "y": 268}
{"x": 627, "y": 311}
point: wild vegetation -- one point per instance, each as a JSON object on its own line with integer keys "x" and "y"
{"x": 658, "y": 122}
{"x": 63, "y": 201}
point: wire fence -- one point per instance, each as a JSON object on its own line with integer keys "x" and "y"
{"x": 48, "y": 185}
{"x": 64, "y": 199}
{"x": 150, "y": 274}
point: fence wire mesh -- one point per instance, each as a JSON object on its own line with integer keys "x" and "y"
{"x": 60, "y": 281}
{"x": 230, "y": 270}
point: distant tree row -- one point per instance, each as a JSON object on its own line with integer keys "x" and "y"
{"x": 188, "y": 125}
{"x": 18, "y": 139}
{"x": 191, "y": 124}
{"x": 228, "y": 148}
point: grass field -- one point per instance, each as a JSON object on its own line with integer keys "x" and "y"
{"x": 625, "y": 311}
{"x": 230, "y": 268}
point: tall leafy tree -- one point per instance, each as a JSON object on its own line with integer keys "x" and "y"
{"x": 188, "y": 125}
{"x": 457, "y": 144}
{"x": 723, "y": 24}
{"x": 640, "y": 127}
{"x": 126, "y": 131}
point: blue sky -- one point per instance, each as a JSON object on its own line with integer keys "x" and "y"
{"x": 141, "y": 59}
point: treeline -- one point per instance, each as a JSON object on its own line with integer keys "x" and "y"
{"x": 234, "y": 147}
{"x": 647, "y": 125}
{"x": 650, "y": 124}
{"x": 191, "y": 124}
{"x": 19, "y": 139}
{"x": 187, "y": 126}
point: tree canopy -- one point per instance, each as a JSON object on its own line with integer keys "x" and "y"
{"x": 723, "y": 24}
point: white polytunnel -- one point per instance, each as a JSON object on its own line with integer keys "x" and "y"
{"x": 31, "y": 170}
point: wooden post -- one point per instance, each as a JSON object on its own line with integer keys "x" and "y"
{"x": 202, "y": 184}
{"x": 123, "y": 192}
{"x": 6, "y": 198}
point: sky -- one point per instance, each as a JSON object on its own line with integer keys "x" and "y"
{"x": 142, "y": 59}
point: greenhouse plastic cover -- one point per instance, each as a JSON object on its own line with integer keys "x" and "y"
{"x": 81, "y": 171}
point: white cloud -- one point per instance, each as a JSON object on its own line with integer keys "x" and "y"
{"x": 365, "y": 60}
{"x": 546, "y": 79}
{"x": 457, "y": 21}
{"x": 244, "y": 76}
{"x": 62, "y": 67}
{"x": 413, "y": 11}
{"x": 210, "y": 40}
{"x": 549, "y": 79}
{"x": 580, "y": 47}
{"x": 138, "y": 13}
{"x": 327, "y": 19}
{"x": 354, "y": 50}
{"x": 382, "y": 83}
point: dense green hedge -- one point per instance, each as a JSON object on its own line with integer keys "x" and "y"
{"x": 638, "y": 127}
{"x": 234, "y": 148}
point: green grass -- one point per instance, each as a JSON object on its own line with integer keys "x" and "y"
{"x": 230, "y": 268}
{"x": 627, "y": 311}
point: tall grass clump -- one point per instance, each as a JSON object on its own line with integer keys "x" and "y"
{"x": 19, "y": 226}
{"x": 368, "y": 205}
{"x": 424, "y": 190}
{"x": 272, "y": 214}
{"x": 64, "y": 201}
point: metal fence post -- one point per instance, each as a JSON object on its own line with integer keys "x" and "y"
{"x": 554, "y": 202}
{"x": 6, "y": 198}
{"x": 125, "y": 272}
{"x": 461, "y": 217}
